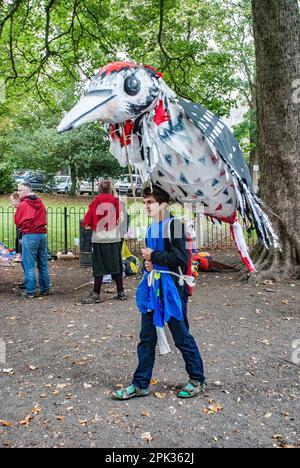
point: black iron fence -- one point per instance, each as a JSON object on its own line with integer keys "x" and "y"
{"x": 64, "y": 229}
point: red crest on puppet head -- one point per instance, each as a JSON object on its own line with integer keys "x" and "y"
{"x": 115, "y": 67}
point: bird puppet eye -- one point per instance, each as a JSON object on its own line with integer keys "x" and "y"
{"x": 132, "y": 86}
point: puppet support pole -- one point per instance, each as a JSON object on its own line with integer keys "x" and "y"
{"x": 163, "y": 344}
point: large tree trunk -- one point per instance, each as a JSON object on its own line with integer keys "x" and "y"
{"x": 277, "y": 43}
{"x": 253, "y": 132}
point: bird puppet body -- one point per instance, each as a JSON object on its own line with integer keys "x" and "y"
{"x": 180, "y": 146}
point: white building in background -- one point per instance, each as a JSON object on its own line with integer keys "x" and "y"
{"x": 236, "y": 117}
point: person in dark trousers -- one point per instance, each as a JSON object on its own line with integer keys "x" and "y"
{"x": 103, "y": 217}
{"x": 15, "y": 202}
{"x": 162, "y": 298}
{"x": 31, "y": 220}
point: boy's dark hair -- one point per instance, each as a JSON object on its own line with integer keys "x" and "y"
{"x": 158, "y": 193}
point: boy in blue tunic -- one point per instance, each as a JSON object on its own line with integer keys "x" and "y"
{"x": 162, "y": 298}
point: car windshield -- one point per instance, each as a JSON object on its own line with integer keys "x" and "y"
{"x": 60, "y": 179}
{"x": 126, "y": 179}
{"x": 20, "y": 173}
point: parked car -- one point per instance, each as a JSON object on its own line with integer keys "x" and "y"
{"x": 20, "y": 174}
{"x": 124, "y": 187}
{"x": 86, "y": 186}
{"x": 60, "y": 184}
{"x": 37, "y": 179}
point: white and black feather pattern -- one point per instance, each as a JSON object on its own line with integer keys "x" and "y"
{"x": 219, "y": 135}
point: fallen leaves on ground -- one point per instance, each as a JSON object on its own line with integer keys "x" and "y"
{"x": 61, "y": 386}
{"x": 33, "y": 368}
{"x": 147, "y": 436}
{"x": 8, "y": 371}
{"x": 36, "y": 410}
{"x": 214, "y": 408}
{"x": 282, "y": 442}
{"x": 60, "y": 418}
{"x": 83, "y": 422}
{"x": 5, "y": 423}
{"x": 26, "y": 421}
{"x": 80, "y": 363}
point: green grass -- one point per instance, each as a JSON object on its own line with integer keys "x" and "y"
{"x": 55, "y": 205}
{"x": 54, "y": 200}
{"x": 213, "y": 235}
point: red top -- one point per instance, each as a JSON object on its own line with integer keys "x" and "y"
{"x": 31, "y": 215}
{"x": 103, "y": 213}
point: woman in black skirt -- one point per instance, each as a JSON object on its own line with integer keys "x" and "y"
{"x": 103, "y": 217}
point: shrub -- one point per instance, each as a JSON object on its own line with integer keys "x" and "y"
{"x": 6, "y": 182}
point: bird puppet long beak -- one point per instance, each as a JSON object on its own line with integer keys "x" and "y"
{"x": 91, "y": 108}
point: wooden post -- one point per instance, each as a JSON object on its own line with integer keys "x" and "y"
{"x": 128, "y": 163}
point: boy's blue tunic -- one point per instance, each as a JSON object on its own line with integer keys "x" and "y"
{"x": 163, "y": 298}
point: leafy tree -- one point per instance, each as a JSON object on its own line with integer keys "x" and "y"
{"x": 49, "y": 49}
{"x": 235, "y": 36}
{"x": 6, "y": 182}
{"x": 50, "y": 46}
{"x": 43, "y": 148}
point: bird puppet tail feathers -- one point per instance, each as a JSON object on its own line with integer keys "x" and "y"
{"x": 242, "y": 247}
{"x": 261, "y": 221}
{"x": 263, "y": 226}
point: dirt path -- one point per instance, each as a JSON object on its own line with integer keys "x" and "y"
{"x": 63, "y": 359}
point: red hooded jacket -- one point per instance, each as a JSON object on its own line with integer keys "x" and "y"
{"x": 105, "y": 208}
{"x": 31, "y": 215}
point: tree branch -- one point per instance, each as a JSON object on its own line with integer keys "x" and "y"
{"x": 11, "y": 51}
{"x": 13, "y": 10}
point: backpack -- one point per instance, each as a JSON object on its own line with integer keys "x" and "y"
{"x": 131, "y": 263}
{"x": 191, "y": 249}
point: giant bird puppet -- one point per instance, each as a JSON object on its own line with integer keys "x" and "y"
{"x": 178, "y": 145}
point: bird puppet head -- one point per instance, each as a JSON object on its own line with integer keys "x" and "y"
{"x": 121, "y": 91}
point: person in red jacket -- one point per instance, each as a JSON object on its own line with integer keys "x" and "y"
{"x": 31, "y": 220}
{"x": 103, "y": 217}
